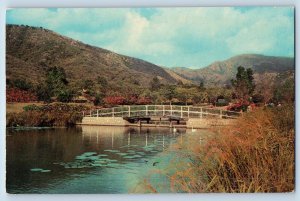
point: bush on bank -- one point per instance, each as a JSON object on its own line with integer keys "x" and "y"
{"x": 46, "y": 115}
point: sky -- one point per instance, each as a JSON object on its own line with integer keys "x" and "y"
{"x": 191, "y": 37}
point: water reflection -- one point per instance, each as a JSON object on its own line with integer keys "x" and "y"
{"x": 127, "y": 152}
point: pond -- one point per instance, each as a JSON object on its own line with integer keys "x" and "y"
{"x": 87, "y": 159}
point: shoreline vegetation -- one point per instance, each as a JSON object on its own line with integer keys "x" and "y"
{"x": 47, "y": 115}
{"x": 257, "y": 154}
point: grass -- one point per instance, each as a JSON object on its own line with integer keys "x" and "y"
{"x": 18, "y": 107}
{"x": 257, "y": 154}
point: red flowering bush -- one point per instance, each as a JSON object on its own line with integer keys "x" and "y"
{"x": 18, "y": 95}
{"x": 115, "y": 100}
{"x": 241, "y": 105}
{"x": 143, "y": 101}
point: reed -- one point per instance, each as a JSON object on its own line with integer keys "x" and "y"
{"x": 257, "y": 154}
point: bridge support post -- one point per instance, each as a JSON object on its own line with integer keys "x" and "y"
{"x": 201, "y": 113}
{"x": 171, "y": 110}
{"x": 83, "y": 113}
{"x": 188, "y": 111}
{"x": 146, "y": 110}
{"x": 113, "y": 112}
{"x": 163, "y": 110}
{"x": 181, "y": 112}
{"x": 128, "y": 111}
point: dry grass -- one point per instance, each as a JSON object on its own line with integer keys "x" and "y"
{"x": 18, "y": 107}
{"x": 255, "y": 155}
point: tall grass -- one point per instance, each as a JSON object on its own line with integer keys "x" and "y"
{"x": 257, "y": 154}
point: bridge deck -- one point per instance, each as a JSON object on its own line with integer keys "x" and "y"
{"x": 162, "y": 111}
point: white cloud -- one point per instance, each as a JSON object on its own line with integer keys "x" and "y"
{"x": 173, "y": 36}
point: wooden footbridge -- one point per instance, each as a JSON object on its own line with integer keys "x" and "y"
{"x": 147, "y": 113}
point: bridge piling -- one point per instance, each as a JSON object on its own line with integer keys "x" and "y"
{"x": 181, "y": 112}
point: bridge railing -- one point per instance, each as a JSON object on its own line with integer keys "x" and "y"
{"x": 162, "y": 111}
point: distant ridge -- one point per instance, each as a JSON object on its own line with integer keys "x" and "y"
{"x": 221, "y": 72}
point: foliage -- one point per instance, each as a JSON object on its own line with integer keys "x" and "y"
{"x": 99, "y": 99}
{"x": 244, "y": 82}
{"x": 20, "y": 84}
{"x": 257, "y": 154}
{"x": 114, "y": 100}
{"x": 47, "y": 115}
{"x": 43, "y": 93}
{"x": 286, "y": 92}
{"x": 18, "y": 95}
{"x": 56, "y": 80}
{"x": 102, "y": 81}
{"x": 65, "y": 96}
{"x": 155, "y": 84}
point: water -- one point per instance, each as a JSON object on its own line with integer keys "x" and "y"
{"x": 119, "y": 160}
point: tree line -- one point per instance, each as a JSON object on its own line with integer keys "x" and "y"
{"x": 57, "y": 88}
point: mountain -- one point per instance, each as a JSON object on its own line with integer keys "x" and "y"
{"x": 30, "y": 51}
{"x": 221, "y": 72}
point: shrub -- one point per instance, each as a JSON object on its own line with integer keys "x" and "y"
{"x": 18, "y": 95}
{"x": 47, "y": 115}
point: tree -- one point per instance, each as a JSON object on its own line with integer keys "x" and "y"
{"x": 99, "y": 99}
{"x": 201, "y": 86}
{"x": 88, "y": 85}
{"x": 168, "y": 92}
{"x": 56, "y": 80}
{"x": 43, "y": 93}
{"x": 155, "y": 84}
{"x": 65, "y": 95}
{"x": 285, "y": 92}
{"x": 244, "y": 82}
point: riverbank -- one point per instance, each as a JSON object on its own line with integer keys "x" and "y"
{"x": 257, "y": 154}
{"x": 56, "y": 114}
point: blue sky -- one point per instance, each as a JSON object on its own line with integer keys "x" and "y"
{"x": 189, "y": 37}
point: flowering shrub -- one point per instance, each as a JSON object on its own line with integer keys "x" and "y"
{"x": 115, "y": 100}
{"x": 143, "y": 101}
{"x": 241, "y": 105}
{"x": 18, "y": 95}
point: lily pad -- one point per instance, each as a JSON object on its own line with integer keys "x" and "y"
{"x": 36, "y": 169}
{"x": 46, "y": 171}
{"x": 101, "y": 155}
{"x": 114, "y": 151}
{"x": 113, "y": 160}
{"x": 89, "y": 153}
{"x": 93, "y": 157}
{"x": 100, "y": 161}
{"x": 82, "y": 157}
{"x": 128, "y": 157}
{"x": 122, "y": 154}
{"x": 113, "y": 165}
